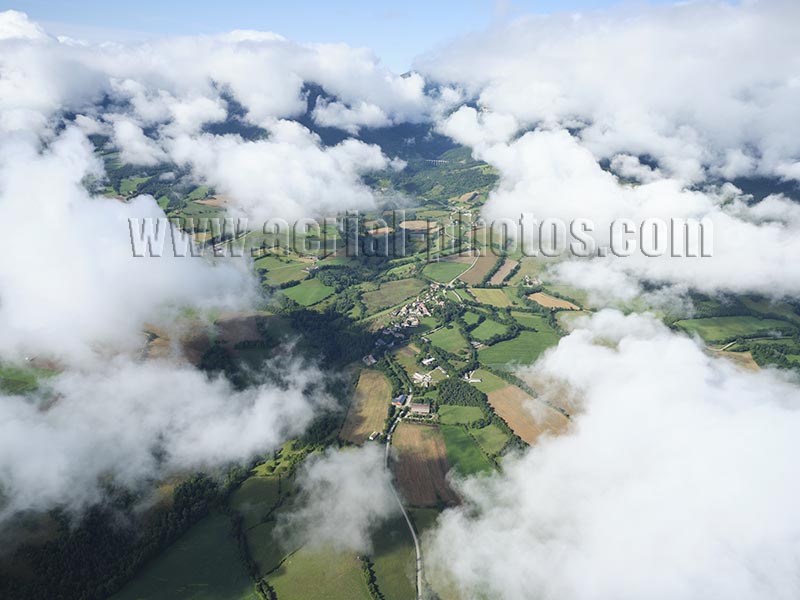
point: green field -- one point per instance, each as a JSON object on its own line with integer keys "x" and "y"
{"x": 265, "y": 551}
{"x": 523, "y": 349}
{"x": 491, "y": 438}
{"x": 198, "y": 193}
{"x": 392, "y": 293}
{"x": 423, "y": 518}
{"x": 309, "y": 292}
{"x": 255, "y": 498}
{"x": 462, "y": 452}
{"x": 407, "y": 361}
{"x": 527, "y": 319}
{"x": 433, "y": 213}
{"x": 470, "y": 317}
{"x": 425, "y": 324}
{"x": 335, "y": 259}
{"x": 199, "y": 211}
{"x": 281, "y": 271}
{"x": 489, "y": 381}
{"x": 203, "y": 564}
{"x": 449, "y": 339}
{"x": 402, "y": 270}
{"x": 766, "y": 306}
{"x": 21, "y": 380}
{"x": 437, "y": 375}
{"x": 450, "y": 414}
{"x": 451, "y": 295}
{"x": 130, "y": 184}
{"x": 488, "y": 329}
{"x": 393, "y": 559}
{"x": 319, "y": 573}
{"x": 444, "y": 271}
{"x": 721, "y": 329}
{"x": 513, "y": 296}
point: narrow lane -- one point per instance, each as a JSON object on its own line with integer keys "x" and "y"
{"x": 405, "y": 512}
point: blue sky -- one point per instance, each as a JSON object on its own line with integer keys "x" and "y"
{"x": 396, "y": 31}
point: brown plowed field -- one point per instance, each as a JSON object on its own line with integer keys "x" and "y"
{"x": 420, "y": 465}
{"x": 527, "y": 417}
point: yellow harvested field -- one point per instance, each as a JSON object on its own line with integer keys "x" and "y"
{"x": 219, "y": 201}
{"x": 549, "y": 301}
{"x": 494, "y": 296}
{"x": 469, "y": 196}
{"x": 419, "y": 225}
{"x": 381, "y": 231}
{"x": 475, "y": 275}
{"x": 420, "y": 465}
{"x": 370, "y": 406}
{"x": 527, "y": 417}
{"x": 743, "y": 359}
{"x": 503, "y": 272}
{"x": 377, "y": 227}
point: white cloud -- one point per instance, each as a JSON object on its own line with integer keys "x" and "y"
{"x": 479, "y": 130}
{"x": 690, "y": 84}
{"x": 134, "y": 423}
{"x": 344, "y": 495}
{"x": 649, "y": 83}
{"x": 630, "y": 167}
{"x": 162, "y": 92}
{"x": 351, "y": 119}
{"x": 552, "y": 175}
{"x": 288, "y": 175}
{"x": 676, "y": 481}
{"x": 73, "y": 291}
{"x": 15, "y": 25}
{"x": 135, "y": 147}
{"x": 74, "y": 287}
{"x": 263, "y": 71}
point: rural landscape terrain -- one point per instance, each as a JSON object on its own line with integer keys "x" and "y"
{"x": 428, "y": 347}
{"x": 269, "y": 336}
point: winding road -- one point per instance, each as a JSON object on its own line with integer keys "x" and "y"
{"x": 405, "y": 512}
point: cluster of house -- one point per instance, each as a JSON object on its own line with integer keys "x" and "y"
{"x": 410, "y": 314}
{"x": 531, "y": 281}
{"x": 415, "y": 408}
{"x": 470, "y": 377}
{"x": 406, "y": 317}
{"x": 393, "y": 330}
{"x": 422, "y": 379}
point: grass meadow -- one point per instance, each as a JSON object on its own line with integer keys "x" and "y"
{"x": 463, "y": 453}
{"x": 202, "y": 565}
{"x": 523, "y": 349}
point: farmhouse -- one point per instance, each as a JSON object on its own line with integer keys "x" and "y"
{"x": 369, "y": 360}
{"x": 470, "y": 377}
{"x": 420, "y": 408}
{"x": 400, "y": 400}
{"x": 421, "y": 379}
